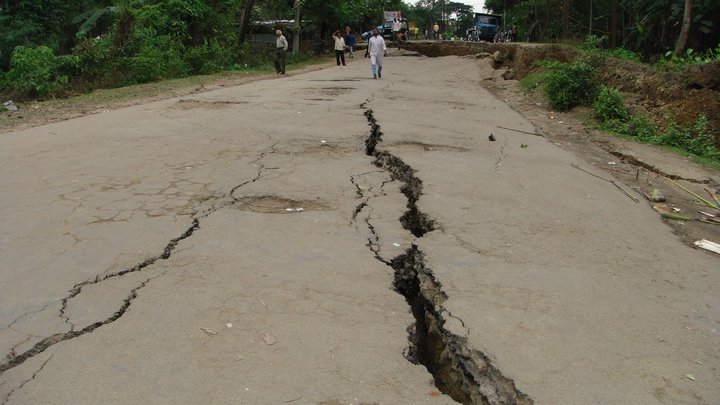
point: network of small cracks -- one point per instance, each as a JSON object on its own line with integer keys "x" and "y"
{"x": 10, "y": 394}
{"x": 465, "y": 375}
{"x": 14, "y": 359}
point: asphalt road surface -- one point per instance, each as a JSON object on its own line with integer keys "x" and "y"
{"x": 329, "y": 238}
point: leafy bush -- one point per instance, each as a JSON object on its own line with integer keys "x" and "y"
{"x": 697, "y": 138}
{"x": 34, "y": 72}
{"x": 569, "y": 84}
{"x": 594, "y": 47}
{"x": 623, "y": 54}
{"x": 94, "y": 58}
{"x": 207, "y": 58}
{"x": 609, "y": 105}
{"x": 158, "y": 57}
{"x": 671, "y": 61}
{"x": 593, "y": 42}
{"x": 250, "y": 56}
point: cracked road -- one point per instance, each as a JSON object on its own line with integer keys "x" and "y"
{"x": 328, "y": 238}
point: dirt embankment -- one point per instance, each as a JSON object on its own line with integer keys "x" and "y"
{"x": 684, "y": 95}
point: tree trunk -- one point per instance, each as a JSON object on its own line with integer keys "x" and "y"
{"x": 245, "y": 20}
{"x": 566, "y": 18}
{"x": 682, "y": 39}
{"x": 613, "y": 24}
{"x": 296, "y": 34}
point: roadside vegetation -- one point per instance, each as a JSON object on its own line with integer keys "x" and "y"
{"x": 570, "y": 84}
{"x": 57, "y": 48}
{"x": 88, "y": 45}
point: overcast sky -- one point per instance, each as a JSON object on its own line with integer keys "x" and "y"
{"x": 477, "y": 5}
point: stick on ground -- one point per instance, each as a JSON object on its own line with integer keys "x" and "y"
{"x": 615, "y": 183}
{"x": 521, "y": 131}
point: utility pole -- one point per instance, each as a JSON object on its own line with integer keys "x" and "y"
{"x": 504, "y": 23}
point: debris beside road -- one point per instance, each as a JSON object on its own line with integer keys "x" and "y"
{"x": 615, "y": 183}
{"x": 655, "y": 196}
{"x": 714, "y": 203}
{"x": 519, "y": 130}
{"x": 708, "y": 245}
{"x": 9, "y": 106}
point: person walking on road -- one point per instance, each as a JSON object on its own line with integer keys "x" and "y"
{"x": 281, "y": 46}
{"x": 339, "y": 48}
{"x": 376, "y": 51}
{"x": 351, "y": 41}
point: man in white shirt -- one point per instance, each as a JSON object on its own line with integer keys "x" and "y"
{"x": 376, "y": 50}
{"x": 281, "y": 46}
{"x": 396, "y": 26}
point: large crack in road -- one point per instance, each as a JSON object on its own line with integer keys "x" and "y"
{"x": 466, "y": 375}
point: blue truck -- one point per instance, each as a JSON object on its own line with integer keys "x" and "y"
{"x": 485, "y": 26}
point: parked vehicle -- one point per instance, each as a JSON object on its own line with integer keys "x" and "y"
{"x": 367, "y": 34}
{"x": 486, "y": 26}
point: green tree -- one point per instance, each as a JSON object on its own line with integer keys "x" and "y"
{"x": 650, "y": 27}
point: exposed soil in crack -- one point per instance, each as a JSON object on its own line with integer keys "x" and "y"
{"x": 464, "y": 374}
{"x": 632, "y": 160}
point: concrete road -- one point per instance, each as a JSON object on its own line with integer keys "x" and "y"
{"x": 329, "y": 238}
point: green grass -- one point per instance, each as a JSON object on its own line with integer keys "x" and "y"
{"x": 533, "y": 82}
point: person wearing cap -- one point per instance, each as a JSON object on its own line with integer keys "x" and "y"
{"x": 281, "y": 46}
{"x": 376, "y": 51}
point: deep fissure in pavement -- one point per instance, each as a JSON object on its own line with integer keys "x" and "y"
{"x": 44, "y": 344}
{"x": 465, "y": 375}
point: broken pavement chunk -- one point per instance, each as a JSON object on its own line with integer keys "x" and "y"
{"x": 209, "y": 331}
{"x": 269, "y": 339}
{"x": 656, "y": 196}
{"x": 10, "y": 105}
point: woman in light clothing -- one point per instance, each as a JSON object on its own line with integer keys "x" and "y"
{"x": 339, "y": 48}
